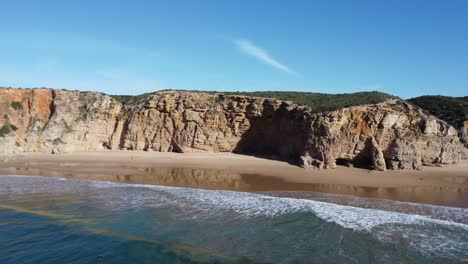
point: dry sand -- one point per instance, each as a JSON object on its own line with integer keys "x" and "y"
{"x": 436, "y": 185}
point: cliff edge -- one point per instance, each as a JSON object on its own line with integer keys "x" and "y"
{"x": 388, "y": 135}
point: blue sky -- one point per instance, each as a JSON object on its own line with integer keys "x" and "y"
{"x": 407, "y": 48}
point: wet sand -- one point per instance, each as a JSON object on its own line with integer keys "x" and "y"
{"x": 226, "y": 171}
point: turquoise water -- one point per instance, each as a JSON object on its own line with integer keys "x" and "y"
{"x": 50, "y": 220}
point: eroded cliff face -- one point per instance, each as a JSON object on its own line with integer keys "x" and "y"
{"x": 54, "y": 121}
{"x": 188, "y": 122}
{"x": 390, "y": 135}
{"x": 464, "y": 133}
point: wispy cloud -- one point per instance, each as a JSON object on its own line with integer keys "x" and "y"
{"x": 259, "y": 53}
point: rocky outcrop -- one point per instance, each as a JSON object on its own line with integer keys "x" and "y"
{"x": 389, "y": 135}
{"x": 190, "y": 122}
{"x": 54, "y": 121}
{"x": 464, "y": 133}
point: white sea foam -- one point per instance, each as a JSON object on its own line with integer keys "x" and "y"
{"x": 430, "y": 236}
{"x": 242, "y": 203}
{"x": 424, "y": 232}
{"x": 253, "y": 205}
{"x": 452, "y": 214}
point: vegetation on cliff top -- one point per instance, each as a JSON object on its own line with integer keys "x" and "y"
{"x": 318, "y": 102}
{"x": 454, "y": 110}
{"x": 130, "y": 99}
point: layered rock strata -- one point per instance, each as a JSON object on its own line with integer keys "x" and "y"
{"x": 389, "y": 135}
{"x": 464, "y": 133}
{"x": 54, "y": 121}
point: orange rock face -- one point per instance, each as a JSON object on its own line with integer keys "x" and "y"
{"x": 389, "y": 135}
{"x": 46, "y": 120}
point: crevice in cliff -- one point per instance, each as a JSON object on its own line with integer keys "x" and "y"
{"x": 195, "y": 130}
{"x": 114, "y": 134}
{"x": 123, "y": 134}
{"x": 175, "y": 147}
{"x": 51, "y": 108}
{"x": 31, "y": 120}
{"x": 30, "y": 102}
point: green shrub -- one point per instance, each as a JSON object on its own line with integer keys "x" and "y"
{"x": 16, "y": 105}
{"x": 318, "y": 102}
{"x": 5, "y": 130}
{"x": 454, "y": 110}
{"x": 129, "y": 99}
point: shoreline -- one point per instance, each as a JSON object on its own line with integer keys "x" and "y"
{"x": 446, "y": 185}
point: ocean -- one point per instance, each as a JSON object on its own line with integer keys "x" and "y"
{"x": 55, "y": 220}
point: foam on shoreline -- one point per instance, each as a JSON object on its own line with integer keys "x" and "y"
{"x": 427, "y": 233}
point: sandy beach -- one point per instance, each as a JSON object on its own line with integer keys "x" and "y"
{"x": 226, "y": 171}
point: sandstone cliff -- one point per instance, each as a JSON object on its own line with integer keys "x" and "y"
{"x": 53, "y": 121}
{"x": 453, "y": 110}
{"x": 389, "y": 135}
{"x": 392, "y": 135}
{"x": 464, "y": 133}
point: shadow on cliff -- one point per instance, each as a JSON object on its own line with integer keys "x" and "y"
{"x": 279, "y": 134}
{"x": 362, "y": 160}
